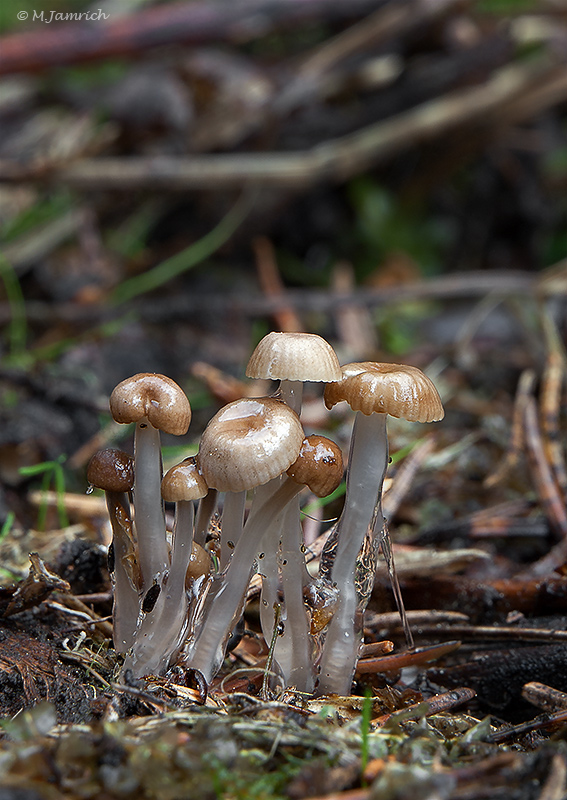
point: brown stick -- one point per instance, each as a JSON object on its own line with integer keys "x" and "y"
{"x": 171, "y": 23}
{"x": 336, "y": 159}
{"x": 515, "y": 447}
{"x": 552, "y": 382}
{"x": 548, "y": 493}
{"x": 465, "y": 285}
{"x": 545, "y": 697}
{"x": 272, "y": 285}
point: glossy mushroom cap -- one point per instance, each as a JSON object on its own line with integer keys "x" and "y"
{"x": 111, "y": 470}
{"x": 294, "y": 357}
{"x": 319, "y": 465}
{"x": 249, "y": 442}
{"x": 183, "y": 482}
{"x": 155, "y": 397}
{"x": 200, "y": 563}
{"x": 394, "y": 389}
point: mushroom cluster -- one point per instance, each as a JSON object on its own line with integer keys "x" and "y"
{"x": 179, "y": 595}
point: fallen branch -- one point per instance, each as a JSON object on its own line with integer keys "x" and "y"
{"x": 172, "y": 23}
{"x": 508, "y": 97}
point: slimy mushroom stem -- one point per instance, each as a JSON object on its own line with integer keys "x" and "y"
{"x": 205, "y": 511}
{"x": 319, "y": 466}
{"x": 164, "y": 627}
{"x": 291, "y": 392}
{"x": 148, "y": 507}
{"x": 207, "y": 654}
{"x": 362, "y": 516}
{"x": 232, "y": 523}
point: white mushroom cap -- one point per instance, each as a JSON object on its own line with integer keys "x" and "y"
{"x": 249, "y": 442}
{"x": 183, "y": 482}
{"x": 395, "y": 389}
{"x": 155, "y": 397}
{"x": 294, "y": 357}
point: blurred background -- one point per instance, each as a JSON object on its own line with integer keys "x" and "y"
{"x": 178, "y": 179}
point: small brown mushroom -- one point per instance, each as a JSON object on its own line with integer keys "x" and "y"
{"x": 164, "y": 627}
{"x": 247, "y": 443}
{"x": 373, "y": 390}
{"x": 154, "y": 402}
{"x": 113, "y": 471}
{"x": 294, "y": 358}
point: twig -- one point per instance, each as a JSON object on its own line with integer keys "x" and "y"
{"x": 435, "y": 705}
{"x": 516, "y": 445}
{"x": 354, "y": 324}
{"x": 272, "y": 285}
{"x": 336, "y": 159}
{"x": 170, "y": 23}
{"x": 418, "y": 656}
{"x": 448, "y": 287}
{"x": 405, "y": 476}
{"x": 222, "y": 386}
{"x": 550, "y": 402}
{"x": 393, "y": 20}
{"x": 545, "y": 722}
{"x": 495, "y": 632}
{"x": 545, "y": 697}
{"x": 547, "y": 491}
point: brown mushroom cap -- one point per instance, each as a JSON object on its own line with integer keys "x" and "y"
{"x": 155, "y": 397}
{"x": 294, "y": 357}
{"x": 111, "y": 470}
{"x": 395, "y": 389}
{"x": 183, "y": 482}
{"x": 249, "y": 442}
{"x": 319, "y": 465}
{"x": 200, "y": 563}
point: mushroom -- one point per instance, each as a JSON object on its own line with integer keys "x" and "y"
{"x": 165, "y": 626}
{"x": 238, "y": 451}
{"x": 320, "y": 467}
{"x": 113, "y": 471}
{"x": 372, "y": 390}
{"x": 293, "y": 359}
{"x": 154, "y": 402}
{"x": 246, "y": 444}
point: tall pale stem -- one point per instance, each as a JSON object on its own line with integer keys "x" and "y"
{"x": 149, "y": 518}
{"x": 361, "y": 516}
{"x": 232, "y": 523}
{"x": 208, "y": 651}
{"x": 162, "y": 630}
{"x": 205, "y": 512}
{"x": 293, "y": 647}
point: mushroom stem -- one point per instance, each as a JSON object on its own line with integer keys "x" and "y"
{"x": 293, "y": 648}
{"x": 149, "y": 518}
{"x": 205, "y": 511}
{"x": 232, "y": 523}
{"x": 362, "y": 515}
{"x": 126, "y": 606}
{"x": 163, "y": 629}
{"x": 225, "y": 603}
{"x": 291, "y": 392}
